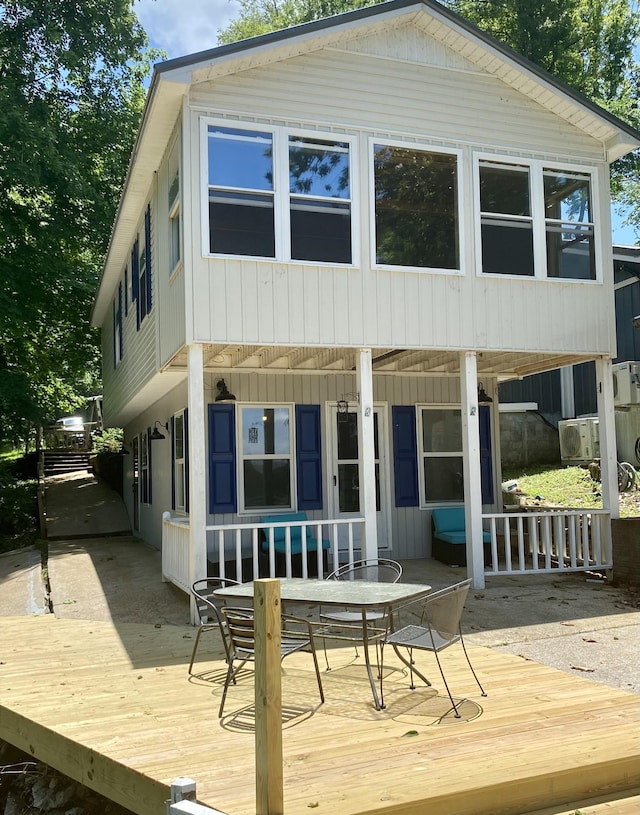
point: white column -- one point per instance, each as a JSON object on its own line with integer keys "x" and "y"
{"x": 197, "y": 470}
{"x": 366, "y": 453}
{"x": 607, "y": 433}
{"x": 472, "y": 475}
{"x": 567, "y": 393}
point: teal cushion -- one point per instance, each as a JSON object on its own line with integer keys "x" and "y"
{"x": 459, "y": 537}
{"x": 279, "y": 541}
{"x": 448, "y": 519}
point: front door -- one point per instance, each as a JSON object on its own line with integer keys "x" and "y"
{"x": 135, "y": 481}
{"x": 344, "y": 471}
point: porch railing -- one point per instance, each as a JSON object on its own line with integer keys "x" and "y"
{"x": 548, "y": 541}
{"x": 241, "y": 545}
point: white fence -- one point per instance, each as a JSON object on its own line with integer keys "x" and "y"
{"x": 252, "y": 548}
{"x": 559, "y": 540}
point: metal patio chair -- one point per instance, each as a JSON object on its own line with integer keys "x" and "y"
{"x": 209, "y": 610}
{"x": 347, "y": 624}
{"x": 296, "y": 635}
{"x": 440, "y": 614}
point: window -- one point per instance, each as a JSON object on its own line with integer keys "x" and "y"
{"x": 524, "y": 207}
{"x": 175, "y": 240}
{"x": 142, "y": 284}
{"x": 506, "y": 222}
{"x": 441, "y": 451}
{"x": 320, "y": 207}
{"x": 265, "y": 460}
{"x": 179, "y": 462}
{"x": 416, "y": 208}
{"x": 273, "y": 194}
{"x": 569, "y": 226}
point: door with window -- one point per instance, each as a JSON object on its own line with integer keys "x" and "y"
{"x": 344, "y": 471}
{"x": 135, "y": 483}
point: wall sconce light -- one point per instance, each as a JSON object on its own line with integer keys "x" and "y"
{"x": 124, "y": 450}
{"x": 223, "y": 392}
{"x": 635, "y": 321}
{"x": 343, "y": 410}
{"x": 483, "y": 396}
{"x": 156, "y": 434}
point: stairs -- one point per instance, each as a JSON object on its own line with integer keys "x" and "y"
{"x": 59, "y": 462}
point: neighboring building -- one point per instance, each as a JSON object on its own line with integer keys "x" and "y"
{"x": 351, "y": 225}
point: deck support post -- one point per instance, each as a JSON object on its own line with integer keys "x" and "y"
{"x": 268, "y": 698}
{"x": 471, "y": 467}
{"x": 197, "y": 471}
{"x": 367, "y": 454}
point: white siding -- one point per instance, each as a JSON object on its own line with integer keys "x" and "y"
{"x": 445, "y": 104}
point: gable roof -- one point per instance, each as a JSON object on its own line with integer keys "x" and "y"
{"x": 172, "y": 79}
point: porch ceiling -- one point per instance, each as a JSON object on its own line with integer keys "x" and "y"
{"x": 501, "y": 365}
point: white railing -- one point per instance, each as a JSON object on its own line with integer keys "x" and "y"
{"x": 175, "y": 551}
{"x": 251, "y": 548}
{"x": 548, "y": 541}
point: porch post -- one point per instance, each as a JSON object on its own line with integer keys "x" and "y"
{"x": 471, "y": 467}
{"x": 367, "y": 456}
{"x": 607, "y": 428}
{"x": 197, "y": 470}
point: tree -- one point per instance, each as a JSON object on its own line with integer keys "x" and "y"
{"x": 71, "y": 94}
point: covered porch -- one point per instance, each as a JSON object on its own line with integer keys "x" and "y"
{"x": 538, "y": 541}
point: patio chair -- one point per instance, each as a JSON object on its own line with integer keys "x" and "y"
{"x": 209, "y": 610}
{"x": 440, "y": 614}
{"x": 378, "y": 570}
{"x": 296, "y": 635}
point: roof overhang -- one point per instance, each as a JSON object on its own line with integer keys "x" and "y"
{"x": 172, "y": 80}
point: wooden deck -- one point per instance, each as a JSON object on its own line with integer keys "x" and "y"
{"x": 112, "y": 706}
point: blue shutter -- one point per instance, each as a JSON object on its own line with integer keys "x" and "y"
{"x": 486, "y": 462}
{"x": 147, "y": 252}
{"x": 185, "y": 430}
{"x": 126, "y": 291}
{"x": 309, "y": 456}
{"x": 222, "y": 459}
{"x": 135, "y": 279}
{"x": 173, "y": 462}
{"x": 405, "y": 456}
{"x": 121, "y": 341}
{"x": 115, "y": 333}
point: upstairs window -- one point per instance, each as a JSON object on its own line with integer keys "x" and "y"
{"x": 175, "y": 236}
{"x": 416, "y": 208}
{"x": 536, "y": 221}
{"x": 277, "y": 195}
{"x": 320, "y": 200}
{"x": 117, "y": 327}
{"x": 241, "y": 192}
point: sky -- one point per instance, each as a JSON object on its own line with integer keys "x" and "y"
{"x": 181, "y": 27}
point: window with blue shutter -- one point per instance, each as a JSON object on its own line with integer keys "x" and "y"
{"x": 135, "y": 280}
{"x": 309, "y": 457}
{"x": 147, "y": 253}
{"x": 405, "y": 456}
{"x": 222, "y": 459}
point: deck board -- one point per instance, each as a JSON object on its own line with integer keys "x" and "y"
{"x": 112, "y": 706}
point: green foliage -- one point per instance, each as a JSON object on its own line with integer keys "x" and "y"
{"x": 109, "y": 441}
{"x": 18, "y": 506}
{"x": 70, "y": 99}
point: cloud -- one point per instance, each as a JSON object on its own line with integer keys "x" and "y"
{"x": 182, "y": 27}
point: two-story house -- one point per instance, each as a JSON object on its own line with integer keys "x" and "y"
{"x": 333, "y": 242}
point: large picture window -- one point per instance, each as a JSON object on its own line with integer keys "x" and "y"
{"x": 266, "y": 460}
{"x": 416, "y": 208}
{"x": 441, "y": 451}
{"x": 276, "y": 194}
{"x": 524, "y": 207}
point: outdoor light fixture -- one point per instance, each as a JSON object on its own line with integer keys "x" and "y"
{"x": 156, "y": 434}
{"x": 343, "y": 410}
{"x": 223, "y": 392}
{"x": 635, "y": 321}
{"x": 483, "y": 396}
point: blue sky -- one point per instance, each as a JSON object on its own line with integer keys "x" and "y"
{"x": 182, "y": 27}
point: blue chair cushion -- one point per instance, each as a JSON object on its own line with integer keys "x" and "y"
{"x": 448, "y": 519}
{"x": 460, "y": 537}
{"x": 279, "y": 539}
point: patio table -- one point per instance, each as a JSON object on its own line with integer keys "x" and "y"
{"x": 364, "y": 595}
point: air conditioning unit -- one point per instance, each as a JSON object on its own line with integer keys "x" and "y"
{"x": 628, "y": 435}
{"x": 579, "y": 440}
{"x": 626, "y": 383}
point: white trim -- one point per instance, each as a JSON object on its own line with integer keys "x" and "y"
{"x": 425, "y": 146}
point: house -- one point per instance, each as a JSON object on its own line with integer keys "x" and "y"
{"x": 331, "y": 240}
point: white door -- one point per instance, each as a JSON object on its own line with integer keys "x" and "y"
{"x": 344, "y": 471}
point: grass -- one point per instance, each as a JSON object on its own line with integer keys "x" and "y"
{"x": 568, "y": 487}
